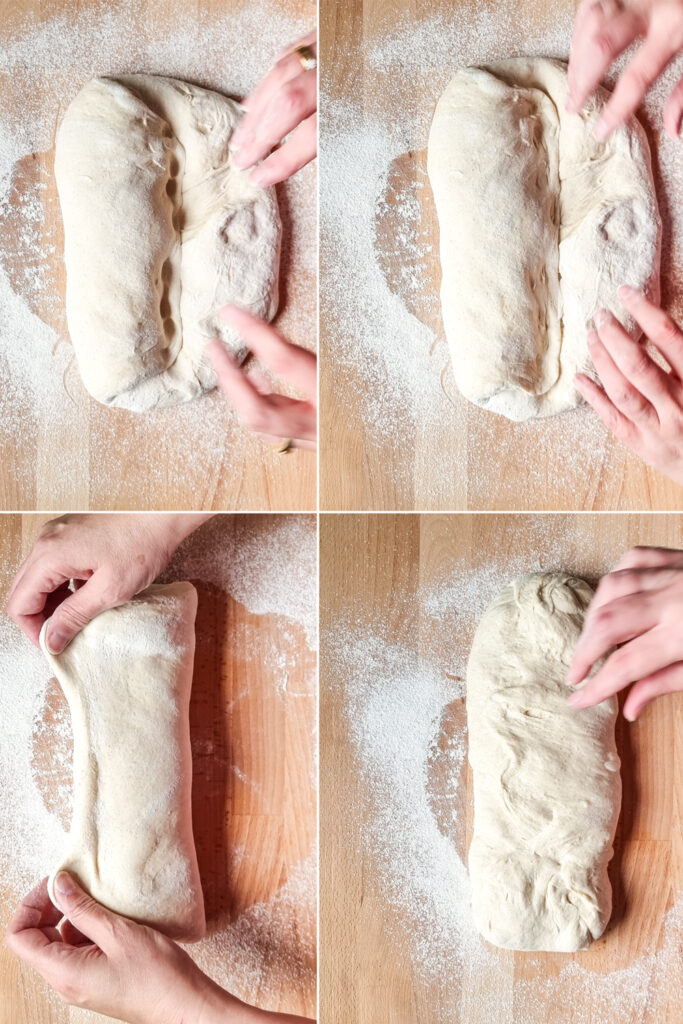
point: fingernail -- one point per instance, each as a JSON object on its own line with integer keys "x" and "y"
{"x": 602, "y": 318}
{"x": 592, "y": 339}
{"x": 56, "y": 641}
{"x": 577, "y": 699}
{"x": 571, "y": 106}
{"x": 629, "y": 716}
{"x": 64, "y": 884}
{"x": 602, "y": 130}
{"x": 626, "y": 292}
{"x": 228, "y": 310}
{"x": 242, "y": 160}
{"x": 261, "y": 177}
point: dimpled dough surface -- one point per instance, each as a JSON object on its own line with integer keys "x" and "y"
{"x": 546, "y": 778}
{"x": 160, "y": 231}
{"x": 539, "y": 225}
{"x": 127, "y": 678}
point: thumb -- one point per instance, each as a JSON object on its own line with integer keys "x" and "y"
{"x": 90, "y": 917}
{"x": 74, "y": 613}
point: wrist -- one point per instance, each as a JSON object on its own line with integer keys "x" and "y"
{"x": 174, "y": 527}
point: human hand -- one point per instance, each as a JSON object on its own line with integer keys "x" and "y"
{"x": 105, "y": 962}
{"x": 605, "y": 28}
{"x": 640, "y": 605}
{"x": 641, "y": 403}
{"x": 274, "y": 417}
{"x": 286, "y": 100}
{"x": 113, "y": 556}
{"x": 102, "y": 961}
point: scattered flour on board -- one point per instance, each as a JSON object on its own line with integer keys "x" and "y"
{"x": 403, "y": 704}
{"x": 380, "y": 267}
{"x": 42, "y": 67}
{"x": 267, "y": 563}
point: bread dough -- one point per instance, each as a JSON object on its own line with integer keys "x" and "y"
{"x": 539, "y": 225}
{"x": 546, "y": 778}
{"x": 161, "y": 230}
{"x": 127, "y": 677}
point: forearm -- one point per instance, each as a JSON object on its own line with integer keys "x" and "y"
{"x": 219, "y": 1007}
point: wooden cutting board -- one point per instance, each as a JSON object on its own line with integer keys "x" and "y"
{"x": 254, "y": 803}
{"x": 371, "y": 568}
{"x": 473, "y": 459}
{"x": 91, "y": 456}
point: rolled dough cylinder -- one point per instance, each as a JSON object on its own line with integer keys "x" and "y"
{"x": 546, "y": 778}
{"x": 539, "y": 225}
{"x": 127, "y": 678}
{"x": 160, "y": 231}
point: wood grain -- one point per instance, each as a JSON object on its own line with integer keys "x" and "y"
{"x": 254, "y": 805}
{"x": 474, "y": 459}
{"x": 371, "y": 568}
{"x": 89, "y": 456}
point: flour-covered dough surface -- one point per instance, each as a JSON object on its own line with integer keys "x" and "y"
{"x": 161, "y": 230}
{"x": 127, "y": 677}
{"x": 539, "y": 225}
{"x": 546, "y": 778}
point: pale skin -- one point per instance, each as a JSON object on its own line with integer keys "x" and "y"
{"x": 89, "y": 955}
{"x": 283, "y": 106}
{"x": 271, "y": 416}
{"x": 603, "y": 29}
{"x": 102, "y": 961}
{"x": 639, "y": 402}
{"x": 637, "y": 608}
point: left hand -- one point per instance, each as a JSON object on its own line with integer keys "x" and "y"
{"x": 639, "y": 605}
{"x": 285, "y": 101}
{"x": 274, "y": 417}
{"x": 642, "y": 404}
{"x": 103, "y": 961}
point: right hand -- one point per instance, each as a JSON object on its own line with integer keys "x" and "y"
{"x": 113, "y": 556}
{"x": 637, "y": 608}
{"x": 605, "y": 28}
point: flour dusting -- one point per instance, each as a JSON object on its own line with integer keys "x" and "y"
{"x": 42, "y": 67}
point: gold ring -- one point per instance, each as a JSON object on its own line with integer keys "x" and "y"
{"x": 284, "y": 446}
{"x": 306, "y": 58}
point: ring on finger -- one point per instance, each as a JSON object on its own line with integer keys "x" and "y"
{"x": 307, "y": 58}
{"x": 283, "y": 446}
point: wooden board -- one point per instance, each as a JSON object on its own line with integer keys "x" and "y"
{"x": 69, "y": 451}
{"x": 470, "y": 459}
{"x": 254, "y": 804}
{"x": 371, "y": 570}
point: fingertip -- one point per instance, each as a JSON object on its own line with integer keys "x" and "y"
{"x": 602, "y": 129}
{"x": 55, "y": 640}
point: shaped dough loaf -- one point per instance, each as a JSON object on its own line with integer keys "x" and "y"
{"x": 539, "y": 225}
{"x": 546, "y": 778}
{"x": 160, "y": 231}
{"x": 127, "y": 677}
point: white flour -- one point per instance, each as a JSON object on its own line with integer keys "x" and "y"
{"x": 266, "y": 563}
{"x": 403, "y": 703}
{"x": 42, "y": 66}
{"x": 380, "y": 270}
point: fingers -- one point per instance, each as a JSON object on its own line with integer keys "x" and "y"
{"x": 598, "y": 40}
{"x": 662, "y": 331}
{"x": 616, "y": 622}
{"x": 300, "y": 148}
{"x": 293, "y": 363}
{"x": 619, "y": 389}
{"x": 615, "y": 421}
{"x": 27, "y": 600}
{"x": 666, "y": 680}
{"x": 639, "y": 658}
{"x": 644, "y": 557}
{"x": 673, "y": 111}
{"x": 633, "y": 83}
{"x": 90, "y": 918}
{"x": 634, "y": 362}
{"x": 77, "y": 611}
{"x": 293, "y": 102}
{"x": 286, "y": 67}
{"x": 33, "y": 927}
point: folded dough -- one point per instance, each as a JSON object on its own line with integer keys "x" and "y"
{"x": 539, "y": 225}
{"x": 160, "y": 231}
{"x": 546, "y": 778}
{"x": 127, "y": 677}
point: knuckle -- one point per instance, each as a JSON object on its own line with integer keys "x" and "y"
{"x": 666, "y": 327}
{"x": 292, "y": 97}
{"x": 604, "y": 44}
